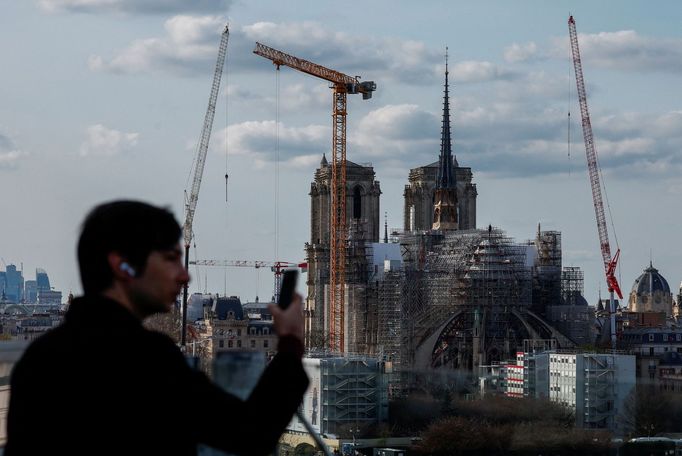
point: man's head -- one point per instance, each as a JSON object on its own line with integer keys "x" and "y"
{"x": 135, "y": 246}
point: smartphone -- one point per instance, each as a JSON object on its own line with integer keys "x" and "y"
{"x": 286, "y": 294}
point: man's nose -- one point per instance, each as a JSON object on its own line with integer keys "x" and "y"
{"x": 184, "y": 276}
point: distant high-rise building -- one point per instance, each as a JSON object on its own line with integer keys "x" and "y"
{"x": 30, "y": 292}
{"x": 42, "y": 280}
{"x": 14, "y": 290}
{"x": 49, "y": 297}
{"x": 3, "y": 283}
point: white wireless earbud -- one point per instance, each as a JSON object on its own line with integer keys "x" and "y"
{"x": 125, "y": 267}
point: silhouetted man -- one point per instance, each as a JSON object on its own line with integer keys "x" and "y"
{"x": 101, "y": 383}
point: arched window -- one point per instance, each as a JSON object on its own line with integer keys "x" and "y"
{"x": 357, "y": 203}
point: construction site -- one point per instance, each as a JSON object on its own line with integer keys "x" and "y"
{"x": 439, "y": 293}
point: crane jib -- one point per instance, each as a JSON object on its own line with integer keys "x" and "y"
{"x": 592, "y": 165}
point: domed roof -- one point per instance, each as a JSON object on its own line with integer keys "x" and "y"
{"x": 650, "y": 281}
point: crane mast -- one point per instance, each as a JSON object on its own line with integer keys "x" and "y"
{"x": 342, "y": 85}
{"x": 191, "y": 204}
{"x": 593, "y": 168}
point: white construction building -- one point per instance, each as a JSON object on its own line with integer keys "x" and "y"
{"x": 594, "y": 385}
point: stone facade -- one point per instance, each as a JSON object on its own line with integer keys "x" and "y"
{"x": 229, "y": 328}
{"x": 363, "y": 222}
{"x": 420, "y": 194}
{"x": 240, "y": 335}
{"x": 362, "y": 203}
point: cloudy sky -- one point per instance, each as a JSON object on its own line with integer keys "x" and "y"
{"x": 103, "y": 99}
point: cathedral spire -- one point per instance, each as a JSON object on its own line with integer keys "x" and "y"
{"x": 445, "y": 208}
{"x": 446, "y": 177}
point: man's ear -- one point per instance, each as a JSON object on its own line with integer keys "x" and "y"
{"x": 118, "y": 270}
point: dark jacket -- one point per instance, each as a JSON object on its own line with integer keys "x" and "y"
{"x": 103, "y": 384}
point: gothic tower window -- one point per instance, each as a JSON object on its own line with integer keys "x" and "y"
{"x": 357, "y": 203}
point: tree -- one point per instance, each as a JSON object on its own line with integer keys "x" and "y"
{"x": 648, "y": 411}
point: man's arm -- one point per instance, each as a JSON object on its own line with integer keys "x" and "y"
{"x": 255, "y": 425}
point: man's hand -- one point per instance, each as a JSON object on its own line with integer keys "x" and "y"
{"x": 289, "y": 322}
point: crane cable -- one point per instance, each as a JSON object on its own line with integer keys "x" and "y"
{"x": 227, "y": 207}
{"x": 196, "y": 265}
{"x": 277, "y": 97}
{"x": 568, "y": 136}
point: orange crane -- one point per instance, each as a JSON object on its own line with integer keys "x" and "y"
{"x": 191, "y": 205}
{"x": 342, "y": 85}
{"x": 610, "y": 263}
{"x": 277, "y": 267}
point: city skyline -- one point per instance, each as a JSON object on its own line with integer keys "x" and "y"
{"x": 105, "y": 99}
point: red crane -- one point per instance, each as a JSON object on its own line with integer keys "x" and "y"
{"x": 593, "y": 168}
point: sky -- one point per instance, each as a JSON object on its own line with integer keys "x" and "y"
{"x": 105, "y": 99}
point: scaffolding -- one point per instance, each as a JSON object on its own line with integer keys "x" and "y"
{"x": 352, "y": 393}
{"x": 547, "y": 277}
{"x": 600, "y": 394}
{"x": 572, "y": 285}
{"x": 459, "y": 279}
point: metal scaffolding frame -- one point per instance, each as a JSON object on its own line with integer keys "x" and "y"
{"x": 572, "y": 285}
{"x": 600, "y": 395}
{"x": 472, "y": 274}
{"x": 352, "y": 393}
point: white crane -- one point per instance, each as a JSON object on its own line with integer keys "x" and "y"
{"x": 200, "y": 160}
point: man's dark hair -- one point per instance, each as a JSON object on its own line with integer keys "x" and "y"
{"x": 132, "y": 229}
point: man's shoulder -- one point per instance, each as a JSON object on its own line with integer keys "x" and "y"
{"x": 43, "y": 352}
{"x": 158, "y": 342}
{"x": 159, "y": 339}
{"x": 50, "y": 342}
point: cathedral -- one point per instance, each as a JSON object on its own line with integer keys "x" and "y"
{"x": 441, "y": 293}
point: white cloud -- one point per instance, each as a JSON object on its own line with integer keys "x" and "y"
{"x": 293, "y": 97}
{"x": 478, "y": 71}
{"x": 521, "y": 52}
{"x": 625, "y": 50}
{"x": 259, "y": 139}
{"x": 9, "y": 153}
{"x": 8, "y": 159}
{"x": 191, "y": 43}
{"x": 534, "y": 86}
{"x": 377, "y": 58}
{"x": 104, "y": 141}
{"x": 395, "y": 137}
{"x": 506, "y": 138}
{"x": 134, "y": 6}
